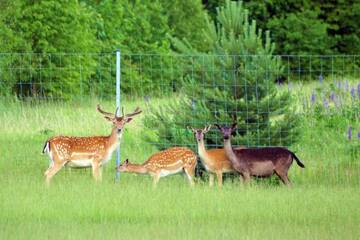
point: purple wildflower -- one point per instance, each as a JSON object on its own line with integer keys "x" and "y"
{"x": 321, "y": 78}
{"x": 352, "y": 92}
{"x": 358, "y": 90}
{"x": 313, "y": 98}
{"x": 326, "y": 104}
{"x": 358, "y": 135}
{"x": 332, "y": 96}
{"x": 349, "y": 133}
{"x": 339, "y": 84}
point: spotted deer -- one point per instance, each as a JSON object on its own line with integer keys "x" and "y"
{"x": 214, "y": 160}
{"x": 170, "y": 161}
{"x": 261, "y": 162}
{"x": 83, "y": 152}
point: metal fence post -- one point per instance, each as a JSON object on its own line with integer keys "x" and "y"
{"x": 118, "y": 78}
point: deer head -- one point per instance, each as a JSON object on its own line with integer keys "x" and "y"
{"x": 199, "y": 133}
{"x": 227, "y": 131}
{"x": 118, "y": 121}
{"x": 123, "y": 167}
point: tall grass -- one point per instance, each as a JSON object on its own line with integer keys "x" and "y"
{"x": 323, "y": 203}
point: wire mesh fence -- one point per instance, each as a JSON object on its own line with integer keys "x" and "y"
{"x": 56, "y": 76}
{"x": 265, "y": 93}
{"x": 268, "y": 95}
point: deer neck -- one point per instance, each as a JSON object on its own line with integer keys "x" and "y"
{"x": 204, "y": 156}
{"x": 115, "y": 137}
{"x": 229, "y": 151}
{"x": 136, "y": 168}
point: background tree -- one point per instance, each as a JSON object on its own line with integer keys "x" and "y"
{"x": 50, "y": 27}
{"x": 133, "y": 27}
{"x": 186, "y": 19}
{"x": 221, "y": 84}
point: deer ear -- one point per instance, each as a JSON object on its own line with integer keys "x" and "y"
{"x": 128, "y": 120}
{"x": 233, "y": 126}
{"x": 126, "y": 162}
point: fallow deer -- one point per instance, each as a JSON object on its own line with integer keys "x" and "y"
{"x": 261, "y": 162}
{"x": 82, "y": 152}
{"x": 170, "y": 161}
{"x": 214, "y": 160}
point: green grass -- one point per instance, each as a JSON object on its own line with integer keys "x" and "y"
{"x": 323, "y": 203}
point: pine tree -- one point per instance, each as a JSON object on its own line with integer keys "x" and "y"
{"x": 234, "y": 76}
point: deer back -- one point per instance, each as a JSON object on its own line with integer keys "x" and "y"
{"x": 171, "y": 158}
{"x": 262, "y": 154}
{"x": 66, "y": 147}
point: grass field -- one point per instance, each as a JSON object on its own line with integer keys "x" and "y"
{"x": 323, "y": 203}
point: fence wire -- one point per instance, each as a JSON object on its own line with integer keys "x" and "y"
{"x": 207, "y": 88}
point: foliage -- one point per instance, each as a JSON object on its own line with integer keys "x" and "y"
{"x": 186, "y": 19}
{"x": 325, "y": 27}
{"x": 229, "y": 84}
{"x": 300, "y": 33}
{"x": 49, "y": 27}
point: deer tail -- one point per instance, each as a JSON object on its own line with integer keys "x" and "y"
{"x": 297, "y": 160}
{"x": 46, "y": 147}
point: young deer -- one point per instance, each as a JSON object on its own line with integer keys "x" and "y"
{"x": 214, "y": 160}
{"x": 167, "y": 162}
{"x": 83, "y": 152}
{"x": 261, "y": 162}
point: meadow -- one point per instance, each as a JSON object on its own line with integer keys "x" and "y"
{"x": 322, "y": 204}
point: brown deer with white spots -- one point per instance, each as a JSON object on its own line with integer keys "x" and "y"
{"x": 214, "y": 160}
{"x": 83, "y": 152}
{"x": 164, "y": 163}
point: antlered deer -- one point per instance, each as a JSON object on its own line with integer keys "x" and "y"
{"x": 82, "y": 152}
{"x": 261, "y": 162}
{"x": 214, "y": 160}
{"x": 163, "y": 163}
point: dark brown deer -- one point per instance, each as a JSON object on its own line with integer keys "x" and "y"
{"x": 260, "y": 162}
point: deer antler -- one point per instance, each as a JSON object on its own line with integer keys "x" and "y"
{"x": 191, "y": 129}
{"x": 207, "y": 128}
{"x": 107, "y": 114}
{"x": 135, "y": 112}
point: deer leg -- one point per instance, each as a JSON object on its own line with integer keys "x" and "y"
{"x": 246, "y": 177}
{"x": 156, "y": 178}
{"x": 96, "y": 171}
{"x": 241, "y": 178}
{"x": 48, "y": 170}
{"x": 51, "y": 164}
{"x": 211, "y": 179}
{"x": 190, "y": 172}
{"x": 284, "y": 178}
{"x": 52, "y": 171}
{"x": 219, "y": 178}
